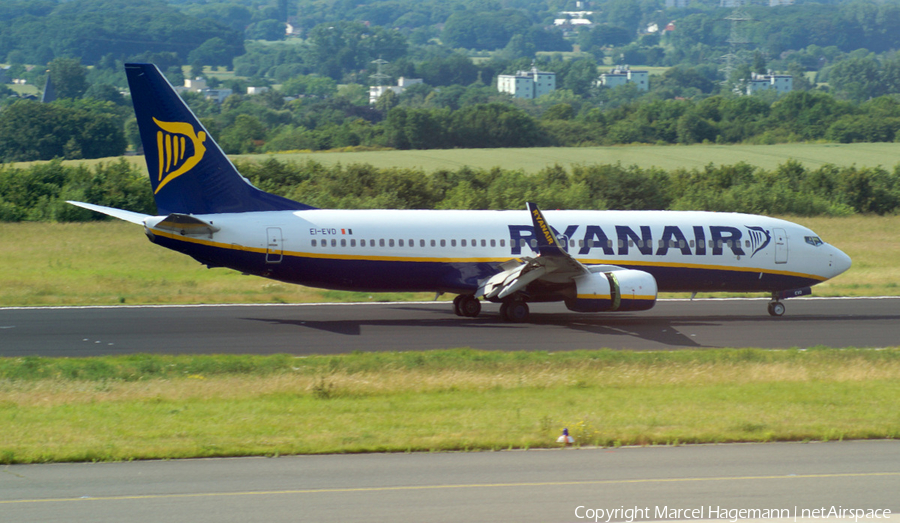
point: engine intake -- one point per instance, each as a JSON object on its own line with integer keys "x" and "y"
{"x": 625, "y": 290}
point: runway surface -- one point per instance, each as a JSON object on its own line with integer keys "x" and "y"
{"x": 332, "y": 328}
{"x": 520, "y": 486}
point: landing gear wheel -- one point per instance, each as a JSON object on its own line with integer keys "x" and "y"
{"x": 456, "y": 308}
{"x": 514, "y": 311}
{"x": 776, "y": 308}
{"x": 469, "y": 306}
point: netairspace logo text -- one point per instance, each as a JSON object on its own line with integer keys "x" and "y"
{"x": 631, "y": 514}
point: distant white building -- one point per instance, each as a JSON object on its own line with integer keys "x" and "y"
{"x": 194, "y": 85}
{"x": 257, "y": 90}
{"x": 574, "y": 19}
{"x": 198, "y": 85}
{"x": 623, "y": 74}
{"x": 375, "y": 91}
{"x": 527, "y": 84}
{"x": 781, "y": 83}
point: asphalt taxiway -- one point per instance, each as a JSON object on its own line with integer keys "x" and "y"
{"x": 341, "y": 328}
{"x": 520, "y": 486}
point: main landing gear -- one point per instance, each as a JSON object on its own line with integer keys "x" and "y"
{"x": 466, "y": 305}
{"x": 511, "y": 310}
{"x": 514, "y": 311}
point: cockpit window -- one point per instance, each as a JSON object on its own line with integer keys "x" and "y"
{"x": 814, "y": 241}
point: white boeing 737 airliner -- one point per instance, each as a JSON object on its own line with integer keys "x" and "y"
{"x": 592, "y": 260}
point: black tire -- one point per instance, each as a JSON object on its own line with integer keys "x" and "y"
{"x": 517, "y": 312}
{"x": 504, "y": 311}
{"x": 776, "y": 309}
{"x": 470, "y": 306}
{"x": 456, "y": 308}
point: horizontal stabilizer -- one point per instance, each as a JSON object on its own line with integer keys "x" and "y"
{"x": 128, "y": 216}
{"x": 186, "y": 225}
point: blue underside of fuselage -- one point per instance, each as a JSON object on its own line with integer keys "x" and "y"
{"x": 455, "y": 277}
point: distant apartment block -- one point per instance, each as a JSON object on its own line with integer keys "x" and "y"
{"x": 527, "y": 84}
{"x": 781, "y": 83}
{"x": 375, "y": 91}
{"x": 622, "y": 75}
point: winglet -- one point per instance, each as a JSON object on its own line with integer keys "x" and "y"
{"x": 548, "y": 243}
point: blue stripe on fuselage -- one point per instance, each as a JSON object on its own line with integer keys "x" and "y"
{"x": 410, "y": 275}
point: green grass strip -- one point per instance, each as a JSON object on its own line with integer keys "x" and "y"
{"x": 161, "y": 407}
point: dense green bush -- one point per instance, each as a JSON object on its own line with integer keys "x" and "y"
{"x": 38, "y": 193}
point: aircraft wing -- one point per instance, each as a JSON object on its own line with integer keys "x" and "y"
{"x": 553, "y": 263}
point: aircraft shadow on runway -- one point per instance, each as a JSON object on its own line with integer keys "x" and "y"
{"x": 664, "y": 331}
{"x": 648, "y": 331}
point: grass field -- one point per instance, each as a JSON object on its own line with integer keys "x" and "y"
{"x": 667, "y": 157}
{"x": 107, "y": 263}
{"x": 143, "y": 407}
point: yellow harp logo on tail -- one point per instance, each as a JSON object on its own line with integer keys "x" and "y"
{"x": 171, "y": 142}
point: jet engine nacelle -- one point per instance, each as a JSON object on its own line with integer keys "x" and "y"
{"x": 625, "y": 290}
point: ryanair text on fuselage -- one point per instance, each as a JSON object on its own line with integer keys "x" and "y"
{"x": 700, "y": 239}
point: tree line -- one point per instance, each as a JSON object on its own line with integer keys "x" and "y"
{"x": 38, "y": 192}
{"x": 491, "y": 121}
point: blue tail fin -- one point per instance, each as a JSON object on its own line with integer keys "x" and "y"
{"x": 188, "y": 171}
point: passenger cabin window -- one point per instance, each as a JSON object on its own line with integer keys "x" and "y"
{"x": 343, "y": 242}
{"x": 462, "y": 243}
{"x": 443, "y": 243}
{"x": 502, "y": 243}
{"x": 432, "y": 243}
{"x": 390, "y": 243}
{"x": 381, "y": 242}
{"x": 412, "y": 243}
{"x": 452, "y": 243}
{"x": 400, "y": 243}
{"x": 493, "y": 243}
{"x": 483, "y": 243}
{"x": 352, "y": 243}
{"x": 314, "y": 243}
{"x": 421, "y": 243}
{"x": 334, "y": 243}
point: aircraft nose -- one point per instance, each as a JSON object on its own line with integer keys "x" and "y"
{"x": 840, "y": 262}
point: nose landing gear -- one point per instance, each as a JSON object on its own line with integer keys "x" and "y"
{"x": 776, "y": 308}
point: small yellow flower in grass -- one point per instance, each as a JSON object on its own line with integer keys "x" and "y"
{"x": 196, "y": 377}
